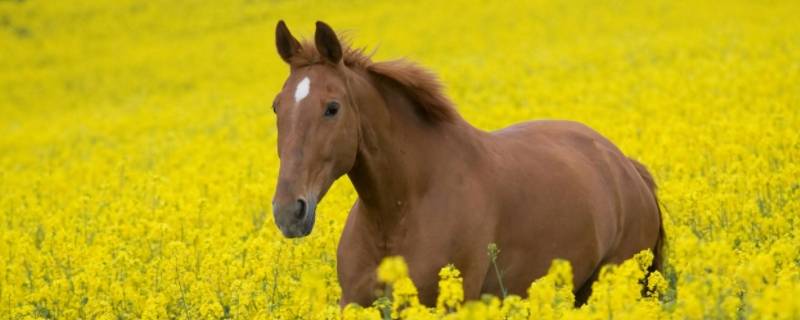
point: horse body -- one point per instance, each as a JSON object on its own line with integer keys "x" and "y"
{"x": 436, "y": 190}
{"x": 579, "y": 199}
{"x": 507, "y": 188}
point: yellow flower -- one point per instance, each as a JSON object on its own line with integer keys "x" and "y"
{"x": 451, "y": 290}
{"x": 404, "y": 295}
{"x": 392, "y": 269}
{"x": 355, "y": 312}
{"x": 550, "y": 296}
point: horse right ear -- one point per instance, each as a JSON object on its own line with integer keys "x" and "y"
{"x": 287, "y": 45}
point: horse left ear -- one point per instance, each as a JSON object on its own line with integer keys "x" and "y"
{"x": 327, "y": 43}
{"x": 287, "y": 45}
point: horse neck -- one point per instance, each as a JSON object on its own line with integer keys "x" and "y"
{"x": 399, "y": 151}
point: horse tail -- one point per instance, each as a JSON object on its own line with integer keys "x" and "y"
{"x": 658, "y": 251}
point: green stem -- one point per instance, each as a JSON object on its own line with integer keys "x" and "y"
{"x": 494, "y": 252}
{"x": 503, "y": 290}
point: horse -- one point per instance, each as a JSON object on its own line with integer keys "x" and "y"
{"x": 436, "y": 190}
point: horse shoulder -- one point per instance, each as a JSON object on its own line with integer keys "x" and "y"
{"x": 451, "y": 223}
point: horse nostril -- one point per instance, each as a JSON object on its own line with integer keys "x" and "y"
{"x": 300, "y": 214}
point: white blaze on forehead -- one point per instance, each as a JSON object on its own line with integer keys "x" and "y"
{"x": 302, "y": 90}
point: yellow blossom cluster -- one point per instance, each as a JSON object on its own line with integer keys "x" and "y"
{"x": 451, "y": 290}
{"x": 138, "y": 159}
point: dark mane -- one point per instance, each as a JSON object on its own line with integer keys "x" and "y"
{"x": 421, "y": 85}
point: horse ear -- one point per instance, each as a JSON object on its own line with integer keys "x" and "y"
{"x": 327, "y": 43}
{"x": 287, "y": 45}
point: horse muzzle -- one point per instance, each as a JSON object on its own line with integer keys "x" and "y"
{"x": 295, "y": 219}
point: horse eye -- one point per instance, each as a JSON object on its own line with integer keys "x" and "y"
{"x": 331, "y": 109}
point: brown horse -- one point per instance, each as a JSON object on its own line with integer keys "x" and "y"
{"x": 436, "y": 190}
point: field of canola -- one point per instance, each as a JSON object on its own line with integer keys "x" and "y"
{"x": 138, "y": 161}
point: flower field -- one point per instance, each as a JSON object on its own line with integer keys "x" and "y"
{"x": 138, "y": 161}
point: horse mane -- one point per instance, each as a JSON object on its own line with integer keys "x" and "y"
{"x": 421, "y": 85}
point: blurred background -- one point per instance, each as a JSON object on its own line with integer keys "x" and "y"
{"x": 137, "y": 142}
